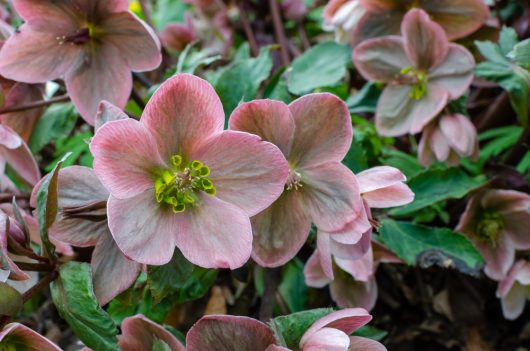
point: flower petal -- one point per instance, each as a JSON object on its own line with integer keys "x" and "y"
{"x": 9, "y": 138}
{"x": 358, "y": 343}
{"x": 20, "y": 158}
{"x": 6, "y": 263}
{"x": 140, "y": 333}
{"x": 513, "y": 303}
{"x": 505, "y": 201}
{"x": 271, "y": 120}
{"x": 30, "y": 339}
{"x": 459, "y": 132}
{"x": 313, "y": 272}
{"x": 125, "y": 157}
{"x": 323, "y": 130}
{"x": 498, "y": 259}
{"x": 108, "y": 112}
{"x": 100, "y": 76}
{"x": 361, "y": 269}
{"x": 351, "y": 252}
{"x": 516, "y": 228}
{"x": 328, "y": 339}
{"x": 379, "y": 178}
{"x": 347, "y": 292}
{"x": 136, "y": 41}
{"x": 234, "y": 332}
{"x": 245, "y": 170}
{"x": 384, "y": 22}
{"x": 324, "y": 253}
{"x": 455, "y": 73}
{"x": 60, "y": 15}
{"x": 392, "y": 196}
{"x": 440, "y": 145}
{"x": 184, "y": 111}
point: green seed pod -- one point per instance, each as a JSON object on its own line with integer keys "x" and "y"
{"x": 10, "y": 300}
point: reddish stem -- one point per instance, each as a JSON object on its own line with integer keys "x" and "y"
{"x": 35, "y": 104}
{"x": 44, "y": 282}
{"x": 279, "y": 32}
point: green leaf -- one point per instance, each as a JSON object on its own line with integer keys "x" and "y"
{"x": 163, "y": 280}
{"x": 74, "y": 298}
{"x": 190, "y": 59}
{"x": 10, "y": 300}
{"x": 404, "y": 162}
{"x": 427, "y": 246}
{"x": 293, "y": 288}
{"x": 521, "y": 54}
{"x": 57, "y": 122}
{"x": 365, "y": 100}
{"x": 197, "y": 285}
{"x": 507, "y": 40}
{"x": 168, "y": 11}
{"x": 322, "y": 65}
{"x": 276, "y": 89}
{"x": 371, "y": 333}
{"x": 289, "y": 329}
{"x": 438, "y": 184}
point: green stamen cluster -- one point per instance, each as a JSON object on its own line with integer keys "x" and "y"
{"x": 419, "y": 88}
{"x": 177, "y": 187}
{"x": 489, "y": 227}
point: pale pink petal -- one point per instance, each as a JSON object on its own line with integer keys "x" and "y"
{"x": 378, "y": 178}
{"x": 125, "y": 157}
{"x": 28, "y": 338}
{"x": 140, "y": 333}
{"x": 9, "y": 138}
{"x": 347, "y": 292}
{"x": 506, "y": 284}
{"x": 108, "y": 112}
{"x": 392, "y": 196}
{"x": 331, "y": 193}
{"x": 514, "y": 301}
{"x": 425, "y": 154}
{"x": 176, "y": 36}
{"x": 505, "y": 201}
{"x": 440, "y": 145}
{"x": 358, "y": 343}
{"x": 79, "y": 231}
{"x": 20, "y": 159}
{"x": 281, "y": 230}
{"x": 271, "y": 120}
{"x": 516, "y": 228}
{"x": 384, "y": 22}
{"x": 379, "y": 5}
{"x": 523, "y": 275}
{"x": 328, "y": 339}
{"x": 6, "y": 263}
{"x": 231, "y": 332}
{"x": 381, "y": 59}
{"x": 425, "y": 41}
{"x": 35, "y": 57}
{"x": 352, "y": 232}
{"x": 276, "y": 348}
{"x": 324, "y": 253}
{"x": 112, "y": 272}
{"x": 59, "y": 14}
{"x": 245, "y": 170}
{"x": 184, "y": 111}
{"x": 351, "y": 252}
{"x": 331, "y": 8}
{"x": 323, "y": 130}
{"x": 455, "y": 73}
{"x": 215, "y": 234}
{"x": 101, "y": 75}
{"x": 313, "y": 272}
{"x": 498, "y": 259}
{"x": 459, "y": 132}
{"x": 143, "y": 230}
{"x": 361, "y": 269}
{"x": 136, "y": 41}
{"x": 427, "y": 108}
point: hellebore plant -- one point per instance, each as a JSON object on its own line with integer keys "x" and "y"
{"x": 314, "y": 133}
{"x": 176, "y": 36}
{"x": 342, "y": 17}
{"x": 16, "y": 336}
{"x": 448, "y": 139}
{"x": 176, "y": 178}
{"x": 458, "y": 18}
{"x": 15, "y": 152}
{"x": 422, "y": 70}
{"x": 94, "y": 45}
{"x": 497, "y": 223}
{"x": 139, "y": 333}
{"x": 514, "y": 290}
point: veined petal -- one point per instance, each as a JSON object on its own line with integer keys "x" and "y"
{"x": 393, "y": 116}
{"x": 108, "y": 112}
{"x": 313, "y": 272}
{"x": 392, "y": 196}
{"x": 62, "y": 16}
{"x": 384, "y": 22}
{"x": 328, "y": 339}
{"x": 9, "y": 138}
{"x": 23, "y": 335}
{"x": 269, "y": 119}
{"x": 19, "y": 158}
{"x": 440, "y": 145}
{"x": 140, "y": 333}
{"x": 77, "y": 231}
{"x": 347, "y": 292}
{"x": 183, "y": 112}
{"x": 498, "y": 259}
{"x": 351, "y": 252}
{"x": 459, "y": 132}
{"x": 362, "y": 269}
{"x": 455, "y": 72}
{"x": 516, "y": 228}
{"x": 514, "y": 302}
{"x": 378, "y": 178}
{"x": 505, "y": 201}
{"x": 324, "y": 253}
{"x": 358, "y": 343}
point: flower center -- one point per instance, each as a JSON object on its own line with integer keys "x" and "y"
{"x": 80, "y": 36}
{"x": 419, "y": 82}
{"x": 489, "y": 227}
{"x": 178, "y": 186}
{"x": 294, "y": 180}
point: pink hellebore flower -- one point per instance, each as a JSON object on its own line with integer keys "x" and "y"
{"x": 497, "y": 223}
{"x": 15, "y": 152}
{"x": 176, "y": 178}
{"x": 514, "y": 290}
{"x": 16, "y": 336}
{"x": 422, "y": 70}
{"x": 139, "y": 333}
{"x": 93, "y": 44}
{"x": 448, "y": 139}
{"x": 10, "y": 229}
{"x": 314, "y": 133}
{"x": 457, "y": 17}
{"x": 342, "y": 17}
{"x": 294, "y": 10}
{"x": 176, "y": 36}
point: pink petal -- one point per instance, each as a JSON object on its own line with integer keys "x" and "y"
{"x": 19, "y": 334}
{"x": 323, "y": 130}
{"x": 425, "y": 154}
{"x": 140, "y": 333}
{"x": 425, "y": 41}
{"x": 78, "y": 232}
{"x": 328, "y": 339}
{"x": 9, "y": 138}
{"x": 35, "y": 57}
{"x": 392, "y": 196}
{"x": 379, "y": 5}
{"x": 280, "y": 231}
{"x": 102, "y": 75}
{"x": 331, "y": 193}
{"x": 215, "y": 234}
{"x": 61, "y": 15}
{"x": 245, "y": 170}
{"x": 135, "y": 40}
{"x": 271, "y": 120}
{"x": 18, "y": 157}
{"x": 352, "y": 232}
{"x": 506, "y": 284}
{"x": 108, "y": 112}
{"x": 505, "y": 201}
{"x": 143, "y": 230}
{"x": 440, "y": 145}
{"x": 459, "y": 132}
{"x": 523, "y": 275}
{"x": 498, "y": 259}
{"x": 6, "y": 263}
{"x": 233, "y": 332}
{"x": 514, "y": 302}
{"x": 379, "y": 178}
{"x": 358, "y": 343}
{"x": 348, "y": 321}
{"x": 324, "y": 254}
{"x": 125, "y": 157}
{"x": 313, "y": 272}
{"x": 384, "y": 22}
{"x": 455, "y": 73}
{"x": 184, "y": 111}
{"x": 276, "y": 348}
{"x": 516, "y": 228}
{"x": 381, "y": 59}
{"x": 112, "y": 272}
{"x": 176, "y": 36}
{"x": 347, "y": 292}
{"x": 351, "y": 252}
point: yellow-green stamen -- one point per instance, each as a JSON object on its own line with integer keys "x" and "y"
{"x": 489, "y": 226}
{"x": 419, "y": 87}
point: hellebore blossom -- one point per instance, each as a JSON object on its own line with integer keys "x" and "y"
{"x": 139, "y": 333}
{"x": 294, "y": 10}
{"x": 176, "y": 178}
{"x": 514, "y": 290}
{"x": 176, "y": 36}
{"x": 458, "y": 18}
{"x": 422, "y": 70}
{"x": 448, "y": 139}
{"x": 497, "y": 223}
{"x": 93, "y": 44}
{"x": 15, "y": 152}
{"x": 16, "y": 336}
{"x": 342, "y": 17}
{"x": 10, "y": 229}
{"x": 314, "y": 133}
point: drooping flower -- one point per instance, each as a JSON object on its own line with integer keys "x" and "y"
{"x": 16, "y": 336}
{"x": 497, "y": 223}
{"x": 342, "y": 17}
{"x": 314, "y": 133}
{"x": 10, "y": 229}
{"x": 383, "y": 17}
{"x": 448, "y": 139}
{"x": 176, "y": 178}
{"x": 293, "y": 10}
{"x": 15, "y": 152}
{"x": 176, "y": 36}
{"x": 93, "y": 44}
{"x": 422, "y": 69}
{"x": 140, "y": 333}
{"x": 514, "y": 290}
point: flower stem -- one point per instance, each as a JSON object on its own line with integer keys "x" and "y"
{"x": 272, "y": 279}
{"x": 35, "y": 267}
{"x": 35, "y": 104}
{"x": 254, "y": 48}
{"x": 279, "y": 31}
{"x": 44, "y": 282}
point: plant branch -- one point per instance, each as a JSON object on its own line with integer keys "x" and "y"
{"x": 254, "y": 48}
{"x": 44, "y": 282}
{"x": 35, "y": 104}
{"x": 138, "y": 99}
{"x": 142, "y": 79}
{"x": 21, "y": 250}
{"x": 272, "y": 279}
{"x": 34, "y": 267}
{"x": 279, "y": 31}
